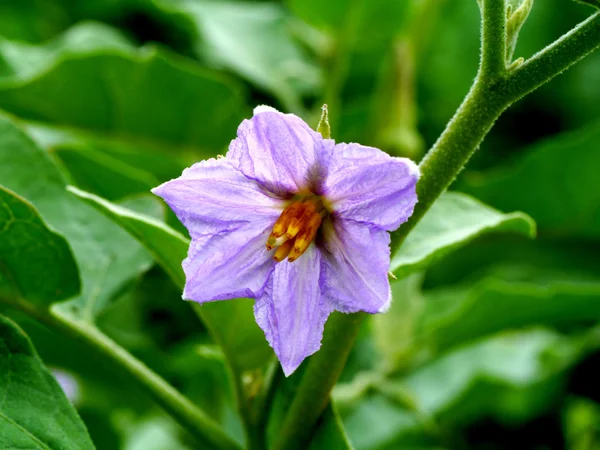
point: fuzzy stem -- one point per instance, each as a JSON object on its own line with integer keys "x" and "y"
{"x": 185, "y": 412}
{"x": 554, "y": 59}
{"x": 493, "y": 39}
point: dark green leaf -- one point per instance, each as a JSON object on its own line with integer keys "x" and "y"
{"x": 34, "y": 412}
{"x": 36, "y": 264}
{"x": 555, "y": 182}
{"x": 511, "y": 361}
{"x": 108, "y": 258}
{"x": 458, "y": 315}
{"x": 454, "y": 220}
{"x": 92, "y": 78}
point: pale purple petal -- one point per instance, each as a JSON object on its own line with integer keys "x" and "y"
{"x": 355, "y": 264}
{"x": 211, "y": 196}
{"x": 367, "y": 185}
{"x": 292, "y": 312}
{"x": 278, "y": 150}
{"x": 232, "y": 263}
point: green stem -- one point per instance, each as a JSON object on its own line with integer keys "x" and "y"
{"x": 197, "y": 422}
{"x": 320, "y": 376}
{"x": 554, "y": 59}
{"x": 493, "y": 39}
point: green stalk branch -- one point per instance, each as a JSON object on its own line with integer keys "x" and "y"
{"x": 553, "y": 60}
{"x": 494, "y": 90}
{"x": 193, "y": 419}
{"x": 493, "y": 39}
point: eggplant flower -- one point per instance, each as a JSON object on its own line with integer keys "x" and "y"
{"x": 295, "y": 221}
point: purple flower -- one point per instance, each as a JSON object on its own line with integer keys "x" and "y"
{"x": 283, "y": 192}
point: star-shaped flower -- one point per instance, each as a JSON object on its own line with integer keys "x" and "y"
{"x": 295, "y": 221}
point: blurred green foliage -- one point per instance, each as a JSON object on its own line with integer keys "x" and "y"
{"x": 494, "y": 346}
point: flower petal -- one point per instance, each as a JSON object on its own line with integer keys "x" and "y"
{"x": 292, "y": 312}
{"x": 356, "y": 260}
{"x": 278, "y": 150}
{"x": 367, "y": 185}
{"x": 212, "y": 195}
{"x": 232, "y": 263}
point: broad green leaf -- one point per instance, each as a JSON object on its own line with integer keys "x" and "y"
{"x": 511, "y": 377}
{"x": 514, "y": 361}
{"x": 99, "y": 172}
{"x": 36, "y": 263}
{"x": 34, "y": 412}
{"x": 107, "y": 257}
{"x": 231, "y": 322}
{"x": 454, "y": 220}
{"x": 253, "y": 40}
{"x": 555, "y": 182}
{"x": 93, "y": 79}
{"x": 32, "y": 20}
{"x": 458, "y": 315}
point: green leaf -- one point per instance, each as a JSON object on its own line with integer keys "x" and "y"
{"x": 108, "y": 258}
{"x": 34, "y": 412}
{"x": 454, "y": 220}
{"x": 113, "y": 88}
{"x": 510, "y": 378}
{"x": 36, "y": 263}
{"x": 231, "y": 322}
{"x": 99, "y": 172}
{"x": 555, "y": 182}
{"x": 508, "y": 362}
{"x": 458, "y": 315}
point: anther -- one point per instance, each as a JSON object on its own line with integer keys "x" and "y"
{"x": 296, "y": 228}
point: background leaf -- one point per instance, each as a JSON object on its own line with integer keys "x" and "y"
{"x": 36, "y": 264}
{"x": 107, "y": 257}
{"x": 142, "y": 94}
{"x": 553, "y": 182}
{"x": 34, "y": 412}
{"x": 454, "y": 220}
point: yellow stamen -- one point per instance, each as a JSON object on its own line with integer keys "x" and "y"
{"x": 296, "y": 228}
{"x": 283, "y": 251}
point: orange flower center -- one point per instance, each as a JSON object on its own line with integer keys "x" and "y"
{"x": 296, "y": 228}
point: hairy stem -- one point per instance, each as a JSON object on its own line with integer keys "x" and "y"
{"x": 493, "y": 39}
{"x": 196, "y": 421}
{"x": 553, "y": 60}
